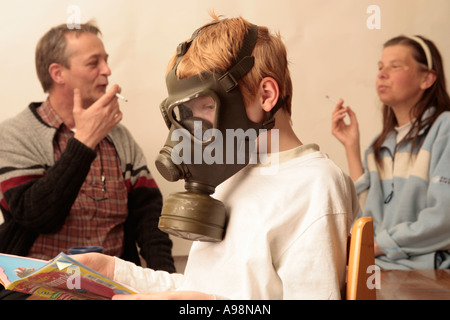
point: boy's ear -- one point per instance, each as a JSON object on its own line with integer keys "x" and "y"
{"x": 269, "y": 93}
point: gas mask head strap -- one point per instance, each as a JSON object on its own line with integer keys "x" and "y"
{"x": 184, "y": 46}
{"x": 243, "y": 63}
{"x": 270, "y": 122}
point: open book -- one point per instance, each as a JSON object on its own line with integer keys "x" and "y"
{"x": 62, "y": 278}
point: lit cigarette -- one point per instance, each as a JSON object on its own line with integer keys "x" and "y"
{"x": 331, "y": 99}
{"x": 121, "y": 97}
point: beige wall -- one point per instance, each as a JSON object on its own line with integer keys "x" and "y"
{"x": 331, "y": 49}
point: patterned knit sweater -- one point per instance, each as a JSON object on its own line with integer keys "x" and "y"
{"x": 36, "y": 193}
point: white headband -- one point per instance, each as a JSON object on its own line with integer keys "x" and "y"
{"x": 426, "y": 49}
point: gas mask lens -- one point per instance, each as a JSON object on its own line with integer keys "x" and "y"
{"x": 197, "y": 115}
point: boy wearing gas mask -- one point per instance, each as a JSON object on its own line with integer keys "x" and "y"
{"x": 287, "y": 214}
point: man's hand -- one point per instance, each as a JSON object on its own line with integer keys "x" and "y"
{"x": 94, "y": 123}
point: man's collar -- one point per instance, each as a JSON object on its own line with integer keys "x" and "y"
{"x": 49, "y": 115}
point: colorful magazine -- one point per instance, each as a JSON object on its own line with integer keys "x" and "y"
{"x": 62, "y": 278}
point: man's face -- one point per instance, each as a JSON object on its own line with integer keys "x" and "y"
{"x": 88, "y": 66}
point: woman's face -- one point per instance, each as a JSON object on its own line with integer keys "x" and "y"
{"x": 400, "y": 79}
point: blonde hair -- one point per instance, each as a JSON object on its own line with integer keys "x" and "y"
{"x": 217, "y": 45}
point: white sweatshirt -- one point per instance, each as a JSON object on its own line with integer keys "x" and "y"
{"x": 286, "y": 236}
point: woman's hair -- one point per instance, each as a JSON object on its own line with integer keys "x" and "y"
{"x": 435, "y": 96}
{"x": 218, "y": 45}
{"x": 51, "y": 48}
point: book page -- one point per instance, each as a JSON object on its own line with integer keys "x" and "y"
{"x": 62, "y": 278}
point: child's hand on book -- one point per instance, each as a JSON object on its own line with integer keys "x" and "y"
{"x": 101, "y": 263}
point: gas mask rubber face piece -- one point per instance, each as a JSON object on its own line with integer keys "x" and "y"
{"x": 210, "y": 139}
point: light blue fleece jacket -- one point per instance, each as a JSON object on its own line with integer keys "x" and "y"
{"x": 409, "y": 200}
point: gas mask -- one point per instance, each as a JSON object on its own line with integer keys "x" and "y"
{"x": 210, "y": 139}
